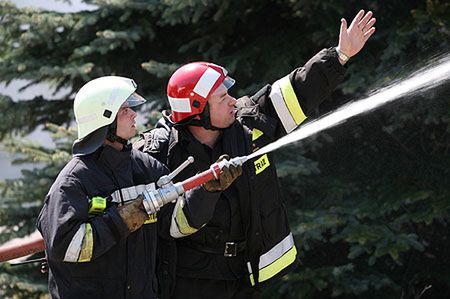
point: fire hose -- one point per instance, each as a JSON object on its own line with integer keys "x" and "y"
{"x": 153, "y": 201}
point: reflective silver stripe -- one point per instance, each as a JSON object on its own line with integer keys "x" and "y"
{"x": 175, "y": 231}
{"x": 87, "y": 118}
{"x": 206, "y": 82}
{"x": 249, "y": 267}
{"x": 224, "y": 70}
{"x": 179, "y": 226}
{"x": 112, "y": 97}
{"x": 281, "y": 108}
{"x": 274, "y": 253}
{"x": 131, "y": 193}
{"x": 182, "y": 105}
{"x": 73, "y": 251}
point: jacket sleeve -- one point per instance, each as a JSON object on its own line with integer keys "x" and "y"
{"x": 69, "y": 233}
{"x": 192, "y": 210}
{"x": 292, "y": 98}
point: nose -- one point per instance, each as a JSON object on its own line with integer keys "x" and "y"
{"x": 133, "y": 114}
{"x": 232, "y": 101}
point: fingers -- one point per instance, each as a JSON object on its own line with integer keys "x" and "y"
{"x": 369, "y": 33}
{"x": 363, "y": 22}
{"x": 223, "y": 157}
{"x": 226, "y": 175}
{"x": 235, "y": 171}
{"x": 357, "y": 18}
{"x": 369, "y": 25}
{"x": 368, "y": 30}
{"x": 212, "y": 186}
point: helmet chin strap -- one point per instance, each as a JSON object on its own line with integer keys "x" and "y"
{"x": 204, "y": 121}
{"x": 111, "y": 136}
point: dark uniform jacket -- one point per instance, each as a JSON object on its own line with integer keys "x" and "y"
{"x": 95, "y": 256}
{"x": 250, "y": 212}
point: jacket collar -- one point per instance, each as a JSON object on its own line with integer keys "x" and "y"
{"x": 113, "y": 158}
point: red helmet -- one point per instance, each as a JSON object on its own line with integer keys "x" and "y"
{"x": 191, "y": 85}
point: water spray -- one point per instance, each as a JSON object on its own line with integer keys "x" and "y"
{"x": 422, "y": 80}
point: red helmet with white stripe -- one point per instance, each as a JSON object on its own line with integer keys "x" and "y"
{"x": 191, "y": 85}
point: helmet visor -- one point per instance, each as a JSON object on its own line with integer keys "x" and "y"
{"x": 228, "y": 82}
{"x": 133, "y": 100}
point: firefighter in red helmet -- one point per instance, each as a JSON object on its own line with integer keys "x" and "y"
{"x": 242, "y": 241}
{"x": 188, "y": 91}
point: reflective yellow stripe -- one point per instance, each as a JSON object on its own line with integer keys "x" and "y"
{"x": 291, "y": 100}
{"x": 151, "y": 219}
{"x": 256, "y": 134}
{"x": 182, "y": 223}
{"x": 87, "y": 246}
{"x": 276, "y": 267}
{"x": 261, "y": 164}
{"x": 276, "y": 259}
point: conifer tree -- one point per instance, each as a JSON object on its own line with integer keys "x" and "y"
{"x": 368, "y": 201}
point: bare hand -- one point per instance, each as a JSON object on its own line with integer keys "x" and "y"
{"x": 353, "y": 38}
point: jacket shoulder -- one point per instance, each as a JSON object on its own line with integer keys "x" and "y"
{"x": 155, "y": 142}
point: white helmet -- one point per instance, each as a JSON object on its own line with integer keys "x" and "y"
{"x": 96, "y": 106}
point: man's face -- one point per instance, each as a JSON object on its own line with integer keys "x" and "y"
{"x": 221, "y": 108}
{"x": 126, "y": 123}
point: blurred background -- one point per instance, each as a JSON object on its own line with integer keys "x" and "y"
{"x": 368, "y": 200}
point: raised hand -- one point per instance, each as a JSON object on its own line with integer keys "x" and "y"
{"x": 353, "y": 38}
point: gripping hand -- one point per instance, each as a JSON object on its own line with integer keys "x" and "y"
{"x": 133, "y": 214}
{"x": 226, "y": 177}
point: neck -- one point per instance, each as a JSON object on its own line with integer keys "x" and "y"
{"x": 117, "y": 145}
{"x": 208, "y": 137}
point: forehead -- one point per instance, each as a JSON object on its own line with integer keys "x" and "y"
{"x": 220, "y": 91}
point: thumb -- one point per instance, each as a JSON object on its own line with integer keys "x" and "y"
{"x": 342, "y": 32}
{"x": 223, "y": 157}
{"x": 343, "y": 26}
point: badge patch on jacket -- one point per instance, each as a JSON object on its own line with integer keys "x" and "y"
{"x": 255, "y": 135}
{"x": 261, "y": 164}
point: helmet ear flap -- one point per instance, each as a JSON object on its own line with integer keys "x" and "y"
{"x": 112, "y": 129}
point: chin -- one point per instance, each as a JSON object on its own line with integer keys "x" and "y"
{"x": 226, "y": 126}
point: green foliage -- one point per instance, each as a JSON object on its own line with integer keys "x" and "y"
{"x": 21, "y": 199}
{"x": 20, "y": 203}
{"x": 20, "y": 282}
{"x": 368, "y": 200}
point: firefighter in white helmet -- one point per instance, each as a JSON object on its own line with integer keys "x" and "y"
{"x": 99, "y": 241}
{"x": 242, "y": 240}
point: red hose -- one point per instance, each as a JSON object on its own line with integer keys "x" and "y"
{"x": 21, "y": 248}
{"x": 201, "y": 178}
{"x": 36, "y": 244}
